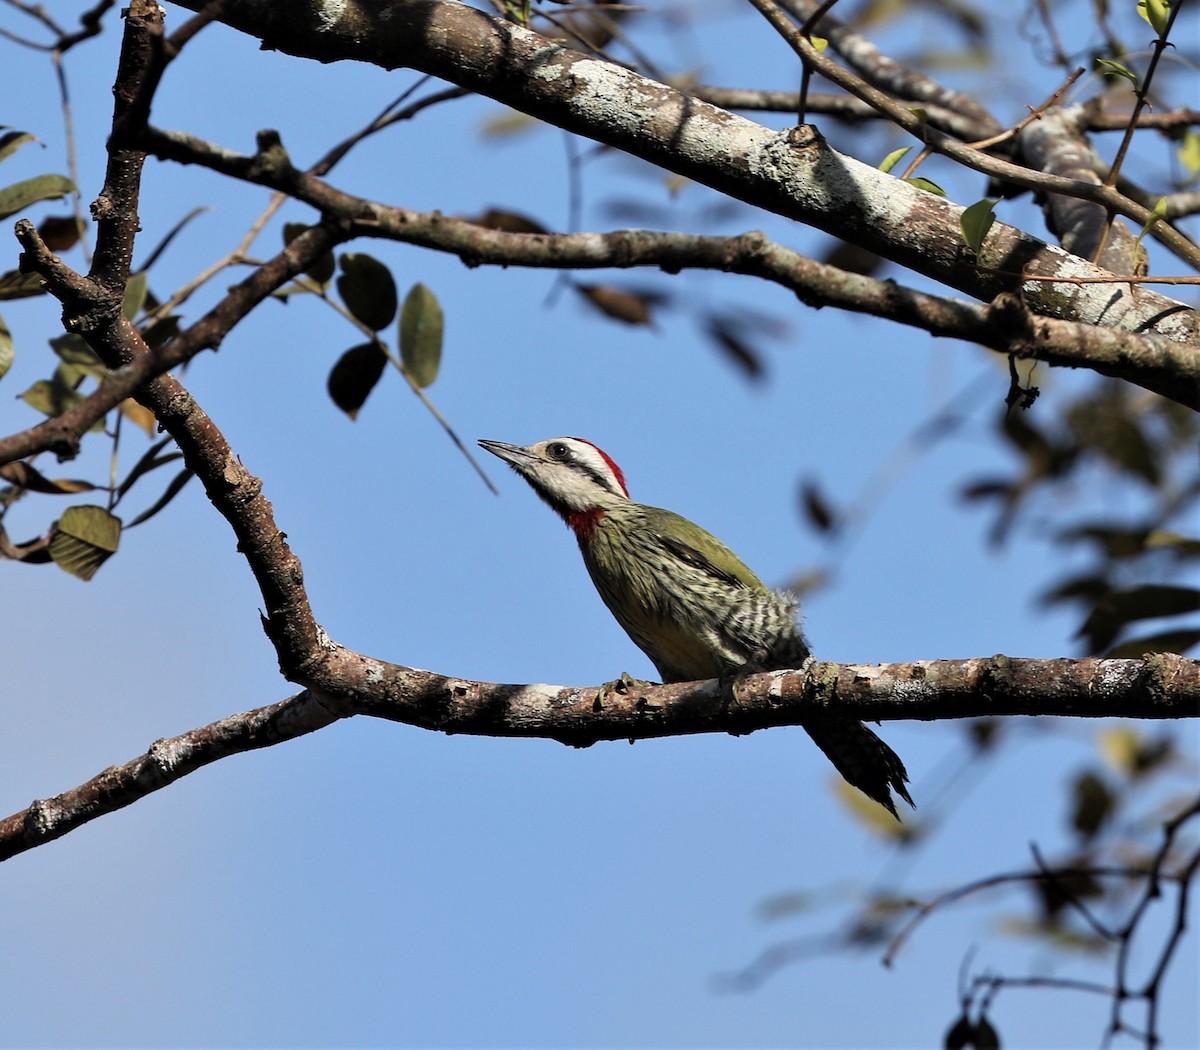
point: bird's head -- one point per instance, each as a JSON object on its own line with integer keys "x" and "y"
{"x": 577, "y": 479}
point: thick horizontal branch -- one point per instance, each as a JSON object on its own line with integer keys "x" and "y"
{"x": 1164, "y": 686}
{"x": 1161, "y": 686}
{"x": 1156, "y": 362}
{"x": 794, "y": 173}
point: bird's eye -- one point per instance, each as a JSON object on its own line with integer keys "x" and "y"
{"x": 558, "y": 450}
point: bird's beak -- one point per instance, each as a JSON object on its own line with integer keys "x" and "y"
{"x": 514, "y": 455}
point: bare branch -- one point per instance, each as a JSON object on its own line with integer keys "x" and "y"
{"x": 351, "y": 683}
{"x": 886, "y": 74}
{"x": 794, "y": 174}
{"x": 1160, "y": 364}
{"x": 165, "y": 762}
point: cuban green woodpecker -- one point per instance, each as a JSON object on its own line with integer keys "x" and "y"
{"x": 686, "y": 600}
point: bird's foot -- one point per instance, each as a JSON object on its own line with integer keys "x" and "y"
{"x": 623, "y": 686}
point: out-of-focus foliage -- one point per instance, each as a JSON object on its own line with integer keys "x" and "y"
{"x": 1113, "y": 478}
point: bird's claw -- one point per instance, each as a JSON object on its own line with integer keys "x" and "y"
{"x": 624, "y": 685}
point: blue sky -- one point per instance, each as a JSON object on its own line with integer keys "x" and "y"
{"x": 375, "y": 884}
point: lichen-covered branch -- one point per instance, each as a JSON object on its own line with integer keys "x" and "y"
{"x": 350, "y": 683}
{"x": 794, "y": 174}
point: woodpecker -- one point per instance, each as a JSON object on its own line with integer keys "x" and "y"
{"x": 687, "y": 601}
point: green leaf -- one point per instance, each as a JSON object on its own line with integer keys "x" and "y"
{"x": 17, "y": 285}
{"x": 139, "y": 416}
{"x": 20, "y": 195}
{"x": 1093, "y": 803}
{"x": 893, "y": 158}
{"x": 1156, "y": 12}
{"x": 84, "y": 538}
{"x": 7, "y": 351}
{"x": 976, "y": 221}
{"x": 927, "y": 185}
{"x": 73, "y": 350}
{"x": 11, "y": 141}
{"x": 355, "y": 375}
{"x": 51, "y": 398}
{"x": 509, "y": 122}
{"x": 874, "y": 817}
{"x": 1158, "y": 212}
{"x": 1180, "y": 642}
{"x": 1150, "y": 601}
{"x": 368, "y": 290}
{"x": 1108, "y": 66}
{"x": 135, "y": 295}
{"x": 322, "y": 269}
{"x": 421, "y": 328}
{"x": 1189, "y": 153}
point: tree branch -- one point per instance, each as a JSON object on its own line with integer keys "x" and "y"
{"x": 165, "y": 762}
{"x": 1153, "y": 361}
{"x": 795, "y": 174}
{"x": 1162, "y": 686}
{"x": 886, "y": 74}
{"x": 854, "y": 110}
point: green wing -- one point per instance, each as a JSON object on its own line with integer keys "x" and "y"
{"x": 702, "y": 550}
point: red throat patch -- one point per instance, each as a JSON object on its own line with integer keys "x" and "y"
{"x": 583, "y": 522}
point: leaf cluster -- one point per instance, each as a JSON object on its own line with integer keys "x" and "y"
{"x": 1126, "y": 462}
{"x": 85, "y": 535}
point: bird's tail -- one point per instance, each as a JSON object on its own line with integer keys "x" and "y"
{"x": 864, "y": 760}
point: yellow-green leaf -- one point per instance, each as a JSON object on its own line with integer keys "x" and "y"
{"x": 17, "y": 285}
{"x": 7, "y": 352}
{"x": 135, "y": 295}
{"x": 1107, "y": 65}
{"x": 50, "y": 398}
{"x": 139, "y": 416}
{"x": 1189, "y": 153}
{"x": 1119, "y": 746}
{"x": 20, "y": 195}
{"x": 421, "y": 329}
{"x": 84, "y": 538}
{"x": 873, "y": 816}
{"x": 893, "y": 158}
{"x": 509, "y": 122}
{"x": 928, "y": 185}
{"x": 11, "y": 141}
{"x": 1159, "y": 211}
{"x": 1156, "y": 12}
{"x": 73, "y": 350}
